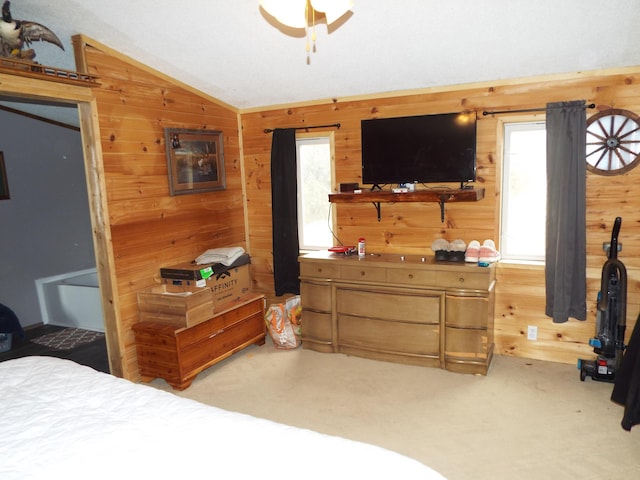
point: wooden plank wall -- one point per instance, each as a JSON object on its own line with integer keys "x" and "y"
{"x": 411, "y": 228}
{"x": 149, "y": 228}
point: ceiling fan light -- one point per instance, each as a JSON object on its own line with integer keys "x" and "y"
{"x": 288, "y": 12}
{"x": 332, "y": 9}
{"x": 302, "y": 14}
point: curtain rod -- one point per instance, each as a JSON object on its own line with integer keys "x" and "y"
{"x": 337, "y": 125}
{"x": 485, "y": 113}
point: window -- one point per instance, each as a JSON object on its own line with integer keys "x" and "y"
{"x": 315, "y": 175}
{"x": 524, "y": 192}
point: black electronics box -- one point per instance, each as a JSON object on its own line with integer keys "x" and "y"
{"x": 348, "y": 187}
{"x": 193, "y": 271}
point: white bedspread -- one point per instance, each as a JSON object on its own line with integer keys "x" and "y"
{"x": 59, "y": 419}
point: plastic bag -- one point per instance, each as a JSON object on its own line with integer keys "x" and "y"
{"x": 293, "y": 309}
{"x": 280, "y": 328}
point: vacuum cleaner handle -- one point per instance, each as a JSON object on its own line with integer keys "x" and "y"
{"x": 613, "y": 247}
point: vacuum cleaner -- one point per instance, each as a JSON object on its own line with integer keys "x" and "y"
{"x": 611, "y": 318}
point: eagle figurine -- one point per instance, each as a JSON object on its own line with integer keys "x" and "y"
{"x": 15, "y": 35}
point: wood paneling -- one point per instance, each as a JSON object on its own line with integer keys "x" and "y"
{"x": 411, "y": 228}
{"x": 149, "y": 228}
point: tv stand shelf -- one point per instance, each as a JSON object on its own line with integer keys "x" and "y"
{"x": 441, "y": 196}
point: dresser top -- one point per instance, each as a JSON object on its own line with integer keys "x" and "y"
{"x": 395, "y": 260}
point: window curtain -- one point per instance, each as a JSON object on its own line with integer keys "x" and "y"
{"x": 284, "y": 211}
{"x": 565, "y": 270}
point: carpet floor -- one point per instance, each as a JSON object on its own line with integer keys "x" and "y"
{"x": 525, "y": 420}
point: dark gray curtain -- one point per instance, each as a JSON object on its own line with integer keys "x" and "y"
{"x": 565, "y": 270}
{"x": 284, "y": 211}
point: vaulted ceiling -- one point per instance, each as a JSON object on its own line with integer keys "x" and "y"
{"x": 236, "y": 52}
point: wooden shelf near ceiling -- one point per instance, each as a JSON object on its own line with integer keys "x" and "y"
{"x": 42, "y": 72}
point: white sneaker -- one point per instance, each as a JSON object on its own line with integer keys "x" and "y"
{"x": 488, "y": 252}
{"x": 472, "y": 255}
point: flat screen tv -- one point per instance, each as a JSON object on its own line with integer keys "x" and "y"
{"x": 419, "y": 149}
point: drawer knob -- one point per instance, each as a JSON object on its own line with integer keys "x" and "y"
{"x": 320, "y": 270}
{"x": 411, "y": 276}
{"x": 461, "y": 279}
{"x": 362, "y": 273}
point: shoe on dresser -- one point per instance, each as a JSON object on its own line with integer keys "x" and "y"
{"x": 488, "y": 252}
{"x": 472, "y": 255}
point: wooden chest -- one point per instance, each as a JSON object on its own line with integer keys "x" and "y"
{"x": 177, "y": 354}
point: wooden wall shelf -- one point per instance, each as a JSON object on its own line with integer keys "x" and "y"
{"x": 29, "y": 69}
{"x": 441, "y": 196}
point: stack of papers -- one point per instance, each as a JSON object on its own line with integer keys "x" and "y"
{"x": 225, "y": 255}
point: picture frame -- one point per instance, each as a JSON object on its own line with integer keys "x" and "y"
{"x": 195, "y": 160}
{"x": 4, "y": 183}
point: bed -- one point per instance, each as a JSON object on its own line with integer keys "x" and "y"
{"x": 59, "y": 419}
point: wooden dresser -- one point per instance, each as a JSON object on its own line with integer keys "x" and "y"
{"x": 407, "y": 309}
{"x": 178, "y": 354}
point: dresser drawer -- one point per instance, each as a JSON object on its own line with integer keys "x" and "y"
{"x": 326, "y": 270}
{"x": 467, "y": 311}
{"x": 417, "y": 308}
{"x": 363, "y": 273}
{"x": 315, "y": 296}
{"x": 317, "y": 327}
{"x": 390, "y": 337}
{"x": 475, "y": 280}
{"x": 466, "y": 343}
{"x": 417, "y": 277}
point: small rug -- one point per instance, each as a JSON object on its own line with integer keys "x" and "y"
{"x": 68, "y": 338}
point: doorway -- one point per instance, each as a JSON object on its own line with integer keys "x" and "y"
{"x": 82, "y": 97}
{"x": 46, "y": 221}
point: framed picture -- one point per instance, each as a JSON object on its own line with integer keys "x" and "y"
{"x": 4, "y": 184}
{"x": 195, "y": 160}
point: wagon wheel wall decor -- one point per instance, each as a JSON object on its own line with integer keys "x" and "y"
{"x": 613, "y": 142}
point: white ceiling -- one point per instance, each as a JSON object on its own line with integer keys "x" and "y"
{"x": 232, "y": 50}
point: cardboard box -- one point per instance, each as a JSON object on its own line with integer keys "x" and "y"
{"x": 183, "y": 309}
{"x": 227, "y": 283}
{"x": 224, "y": 287}
{"x": 230, "y": 285}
